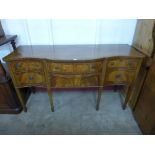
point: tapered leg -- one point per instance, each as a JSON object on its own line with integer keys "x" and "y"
{"x": 101, "y": 83}
{"x": 51, "y": 99}
{"x": 99, "y": 98}
{"x": 128, "y": 93}
{"x": 115, "y": 88}
{"x": 21, "y": 99}
{"x": 33, "y": 90}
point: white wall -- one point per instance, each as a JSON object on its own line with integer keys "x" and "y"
{"x": 34, "y": 32}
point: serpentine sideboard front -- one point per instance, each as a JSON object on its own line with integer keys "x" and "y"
{"x": 74, "y": 66}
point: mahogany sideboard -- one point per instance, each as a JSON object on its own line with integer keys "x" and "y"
{"x": 74, "y": 66}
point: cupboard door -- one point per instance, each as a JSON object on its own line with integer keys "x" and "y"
{"x": 145, "y": 109}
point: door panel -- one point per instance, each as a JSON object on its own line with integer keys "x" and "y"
{"x": 145, "y": 109}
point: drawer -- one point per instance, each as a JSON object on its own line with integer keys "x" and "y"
{"x": 87, "y": 68}
{"x": 61, "y": 81}
{"x": 123, "y": 63}
{"x": 26, "y": 65}
{"x": 60, "y": 68}
{"x": 29, "y": 79}
{"x": 119, "y": 77}
{"x": 74, "y": 68}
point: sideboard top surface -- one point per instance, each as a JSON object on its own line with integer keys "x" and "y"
{"x": 73, "y": 52}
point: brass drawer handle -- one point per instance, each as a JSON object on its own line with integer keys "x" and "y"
{"x": 118, "y": 76}
{"x": 30, "y": 77}
{"x": 112, "y": 63}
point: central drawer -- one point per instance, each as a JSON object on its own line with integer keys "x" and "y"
{"x": 74, "y": 68}
{"x": 29, "y": 79}
{"x": 69, "y": 81}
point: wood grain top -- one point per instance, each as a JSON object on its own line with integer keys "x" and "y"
{"x": 73, "y": 52}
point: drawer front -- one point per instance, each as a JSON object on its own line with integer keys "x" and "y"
{"x": 60, "y": 68}
{"x": 26, "y": 65}
{"x": 61, "y": 81}
{"x": 29, "y": 78}
{"x": 123, "y": 63}
{"x": 74, "y": 68}
{"x": 119, "y": 77}
{"x": 87, "y": 68}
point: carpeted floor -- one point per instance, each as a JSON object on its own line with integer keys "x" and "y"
{"x": 74, "y": 114}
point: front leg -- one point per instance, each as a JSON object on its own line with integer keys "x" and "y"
{"x": 33, "y": 90}
{"x": 127, "y": 97}
{"x": 50, "y": 98}
{"x": 21, "y": 99}
{"x": 99, "y": 98}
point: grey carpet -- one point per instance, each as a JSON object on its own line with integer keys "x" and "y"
{"x": 74, "y": 114}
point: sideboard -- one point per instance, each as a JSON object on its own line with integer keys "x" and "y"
{"x": 74, "y": 66}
